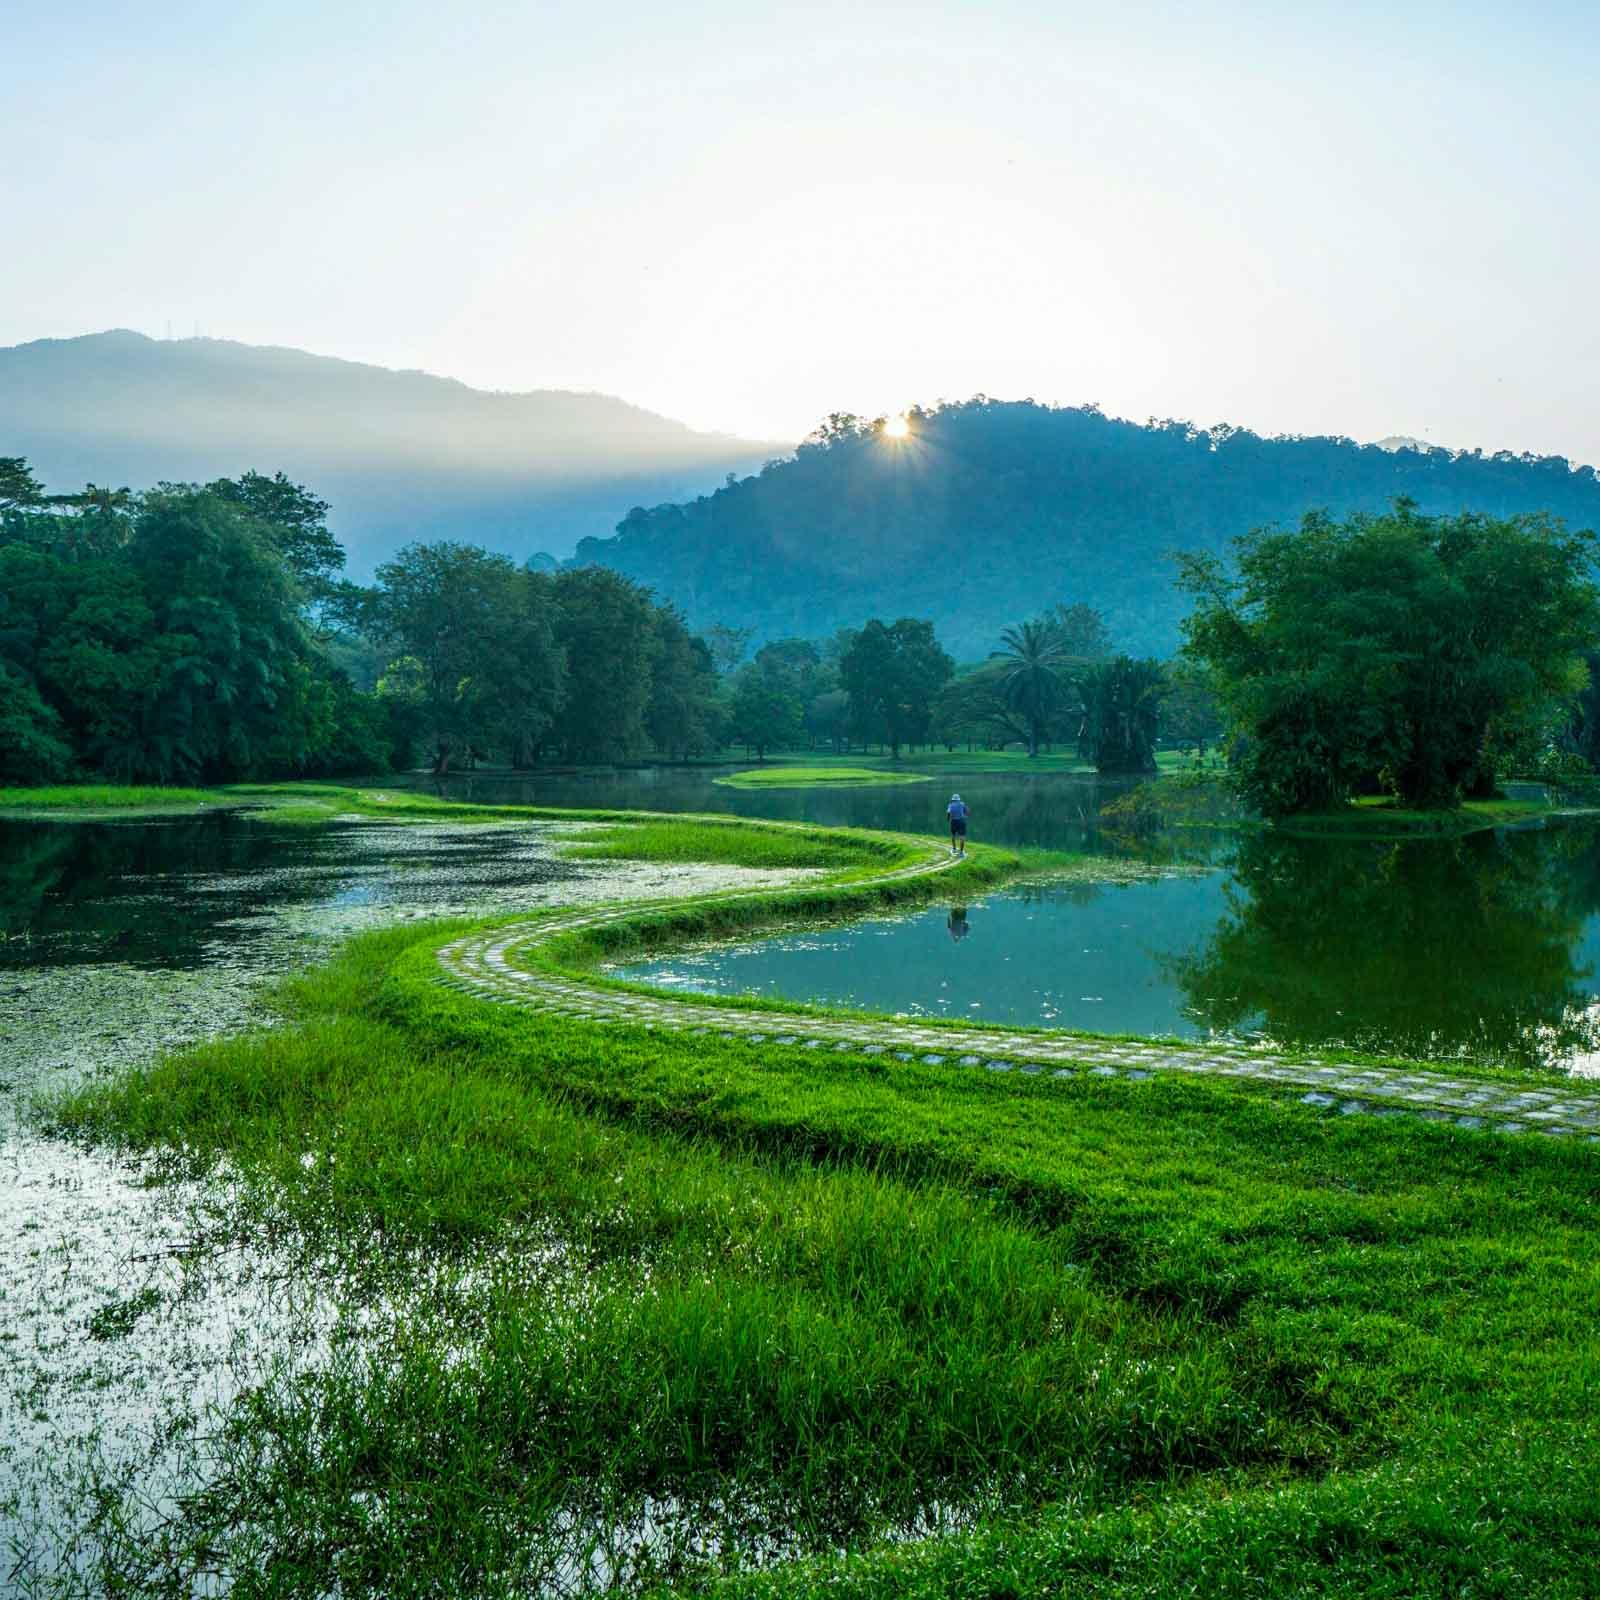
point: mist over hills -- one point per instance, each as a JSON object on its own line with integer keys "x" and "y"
{"x": 401, "y": 455}
{"x": 989, "y": 511}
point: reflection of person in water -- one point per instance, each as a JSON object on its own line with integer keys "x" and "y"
{"x": 956, "y": 923}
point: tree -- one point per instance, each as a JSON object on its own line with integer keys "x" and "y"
{"x": 828, "y": 719}
{"x": 527, "y": 691}
{"x": 972, "y": 707}
{"x": 296, "y": 522}
{"x": 606, "y": 625}
{"x": 1393, "y": 651}
{"x": 1033, "y": 661}
{"x": 681, "y": 716}
{"x": 453, "y": 616}
{"x": 765, "y": 712}
{"x": 1580, "y": 736}
{"x": 727, "y": 645}
{"x": 1122, "y": 714}
{"x": 19, "y": 489}
{"x": 1190, "y": 713}
{"x": 892, "y": 675}
{"x": 1082, "y": 630}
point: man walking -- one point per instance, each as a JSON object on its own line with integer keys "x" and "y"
{"x": 957, "y": 812}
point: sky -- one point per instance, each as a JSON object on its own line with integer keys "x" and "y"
{"x": 1353, "y": 219}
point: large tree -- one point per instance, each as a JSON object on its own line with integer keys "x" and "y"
{"x": 892, "y": 673}
{"x": 453, "y": 617}
{"x": 1392, "y": 650}
{"x": 1122, "y": 714}
{"x": 765, "y": 713}
{"x": 606, "y": 624}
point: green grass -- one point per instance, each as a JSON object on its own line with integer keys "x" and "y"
{"x": 1180, "y": 1337}
{"x": 735, "y": 842}
{"x": 809, "y": 777}
{"x": 928, "y": 761}
{"x": 108, "y": 797}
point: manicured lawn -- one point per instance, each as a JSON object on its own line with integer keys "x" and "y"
{"x": 808, "y": 777}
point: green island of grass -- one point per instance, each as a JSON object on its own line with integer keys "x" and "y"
{"x": 803, "y": 777}
{"x": 1182, "y": 1337}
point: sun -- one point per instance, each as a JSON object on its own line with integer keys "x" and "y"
{"x": 897, "y": 428}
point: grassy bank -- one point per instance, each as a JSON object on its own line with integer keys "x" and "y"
{"x": 797, "y": 776}
{"x": 742, "y": 843}
{"x": 1179, "y": 1337}
{"x": 78, "y": 798}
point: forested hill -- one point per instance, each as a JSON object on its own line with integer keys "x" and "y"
{"x": 988, "y": 511}
{"x": 401, "y": 455}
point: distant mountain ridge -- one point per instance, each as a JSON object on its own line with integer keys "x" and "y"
{"x": 400, "y": 455}
{"x": 993, "y": 510}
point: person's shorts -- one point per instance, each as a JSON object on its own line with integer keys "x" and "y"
{"x": 958, "y": 827}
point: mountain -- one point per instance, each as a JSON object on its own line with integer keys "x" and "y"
{"x": 401, "y": 455}
{"x": 989, "y": 511}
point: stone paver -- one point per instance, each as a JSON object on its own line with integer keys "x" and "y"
{"x": 482, "y": 964}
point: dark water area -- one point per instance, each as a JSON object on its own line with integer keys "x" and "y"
{"x": 184, "y": 892}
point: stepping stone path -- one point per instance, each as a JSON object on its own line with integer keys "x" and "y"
{"x": 482, "y": 964}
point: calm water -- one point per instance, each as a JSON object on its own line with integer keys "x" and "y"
{"x": 1486, "y": 947}
{"x": 1053, "y": 810}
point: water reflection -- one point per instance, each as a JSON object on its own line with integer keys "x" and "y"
{"x": 1055, "y": 811}
{"x": 956, "y": 924}
{"x": 1480, "y": 947}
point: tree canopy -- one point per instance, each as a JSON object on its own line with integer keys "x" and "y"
{"x": 1389, "y": 652}
{"x": 892, "y": 672}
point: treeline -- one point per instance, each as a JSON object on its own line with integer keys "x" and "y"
{"x": 204, "y": 632}
{"x": 172, "y": 635}
{"x": 1055, "y": 681}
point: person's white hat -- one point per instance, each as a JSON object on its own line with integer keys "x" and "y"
{"x": 955, "y": 797}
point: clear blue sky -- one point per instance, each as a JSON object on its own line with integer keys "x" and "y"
{"x": 1304, "y": 218}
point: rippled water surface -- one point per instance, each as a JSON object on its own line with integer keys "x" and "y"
{"x": 122, "y": 1320}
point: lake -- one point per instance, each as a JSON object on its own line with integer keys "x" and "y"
{"x": 1482, "y": 949}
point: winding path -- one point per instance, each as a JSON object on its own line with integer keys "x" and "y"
{"x": 483, "y": 964}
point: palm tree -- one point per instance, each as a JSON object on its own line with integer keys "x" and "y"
{"x": 1122, "y": 705}
{"x": 1036, "y": 655}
